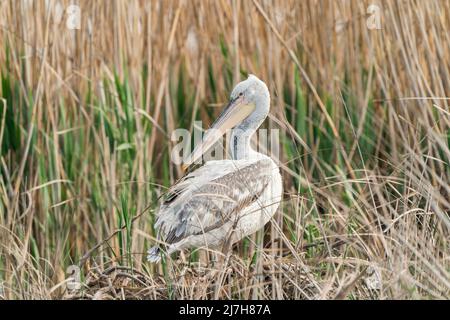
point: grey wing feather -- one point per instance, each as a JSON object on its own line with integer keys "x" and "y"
{"x": 210, "y": 196}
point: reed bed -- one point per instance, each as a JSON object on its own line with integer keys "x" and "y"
{"x": 364, "y": 121}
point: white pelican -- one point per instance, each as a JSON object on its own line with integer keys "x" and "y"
{"x": 224, "y": 200}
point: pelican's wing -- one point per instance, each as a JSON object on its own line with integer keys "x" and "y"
{"x": 210, "y": 196}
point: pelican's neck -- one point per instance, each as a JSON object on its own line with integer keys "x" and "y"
{"x": 241, "y": 136}
{"x": 240, "y": 144}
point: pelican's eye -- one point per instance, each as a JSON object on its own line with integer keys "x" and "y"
{"x": 241, "y": 94}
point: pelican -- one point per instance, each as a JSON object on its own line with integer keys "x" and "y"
{"x": 224, "y": 200}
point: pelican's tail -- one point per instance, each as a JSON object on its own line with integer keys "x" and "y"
{"x": 154, "y": 254}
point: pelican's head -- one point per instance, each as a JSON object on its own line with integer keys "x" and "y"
{"x": 253, "y": 92}
{"x": 248, "y": 107}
